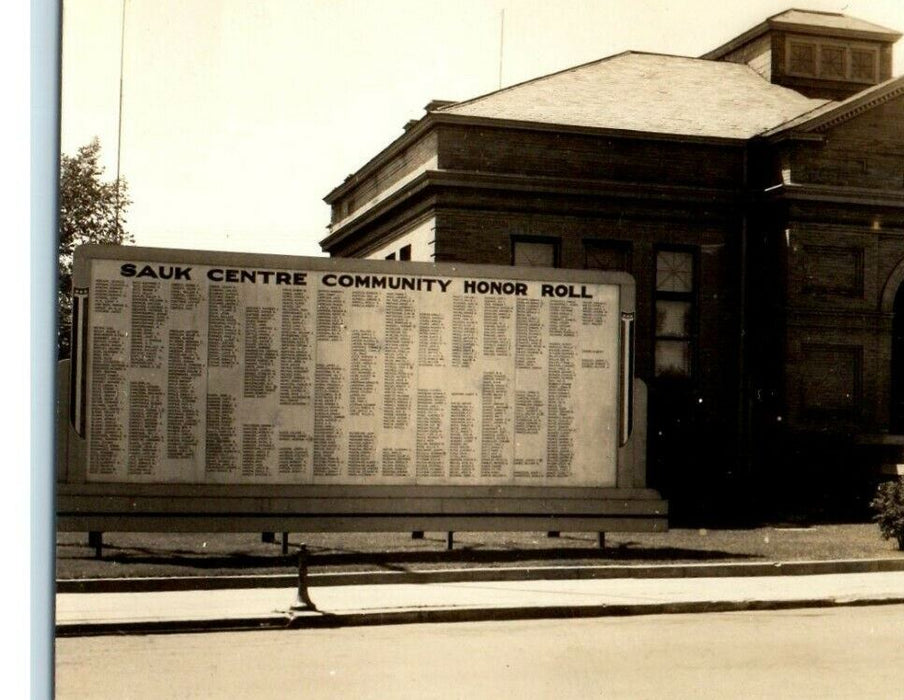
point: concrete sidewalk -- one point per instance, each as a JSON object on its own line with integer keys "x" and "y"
{"x": 395, "y": 603}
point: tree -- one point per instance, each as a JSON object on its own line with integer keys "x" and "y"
{"x": 91, "y": 211}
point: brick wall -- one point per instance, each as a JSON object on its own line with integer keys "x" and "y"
{"x": 485, "y": 236}
{"x": 867, "y": 151}
{"x": 386, "y": 179}
{"x": 575, "y": 155}
{"x": 839, "y": 261}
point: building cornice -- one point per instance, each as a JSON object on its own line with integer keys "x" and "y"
{"x": 577, "y": 186}
{"x": 836, "y": 32}
{"x": 862, "y": 196}
{"x": 434, "y": 119}
{"x": 514, "y": 124}
{"x": 367, "y": 216}
{"x": 481, "y": 182}
{"x": 824, "y": 118}
{"x": 412, "y": 134}
{"x": 858, "y": 107}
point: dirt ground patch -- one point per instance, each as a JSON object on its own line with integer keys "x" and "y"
{"x": 213, "y": 554}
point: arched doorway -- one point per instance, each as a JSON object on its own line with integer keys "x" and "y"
{"x": 897, "y": 364}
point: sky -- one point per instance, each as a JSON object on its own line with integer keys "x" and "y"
{"x": 239, "y": 116}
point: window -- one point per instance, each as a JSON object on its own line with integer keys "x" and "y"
{"x": 675, "y": 288}
{"x": 391, "y": 256}
{"x": 405, "y": 252}
{"x": 607, "y": 255}
{"x": 863, "y": 65}
{"x": 674, "y": 271}
{"x": 535, "y": 252}
{"x": 802, "y": 58}
{"x": 830, "y": 60}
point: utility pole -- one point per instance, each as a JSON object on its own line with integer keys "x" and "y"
{"x": 122, "y": 46}
{"x": 501, "y": 42}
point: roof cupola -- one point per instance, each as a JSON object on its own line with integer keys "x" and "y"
{"x": 819, "y": 54}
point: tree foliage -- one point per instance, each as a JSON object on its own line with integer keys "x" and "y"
{"x": 889, "y": 507}
{"x": 91, "y": 211}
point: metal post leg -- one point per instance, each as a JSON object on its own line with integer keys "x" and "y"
{"x": 96, "y": 540}
{"x": 303, "y": 600}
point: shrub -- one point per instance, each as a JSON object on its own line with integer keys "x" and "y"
{"x": 889, "y": 506}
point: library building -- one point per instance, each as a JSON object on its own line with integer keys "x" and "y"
{"x": 756, "y": 196}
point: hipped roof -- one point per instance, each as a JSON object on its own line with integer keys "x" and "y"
{"x": 650, "y": 93}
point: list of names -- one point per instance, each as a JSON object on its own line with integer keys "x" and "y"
{"x": 203, "y": 374}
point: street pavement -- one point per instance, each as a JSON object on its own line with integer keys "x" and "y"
{"x": 838, "y": 652}
{"x": 530, "y": 597}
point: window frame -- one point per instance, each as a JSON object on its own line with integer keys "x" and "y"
{"x": 691, "y": 297}
{"x": 545, "y": 240}
{"x": 792, "y": 41}
{"x": 848, "y": 49}
{"x": 845, "y": 60}
{"x": 874, "y": 52}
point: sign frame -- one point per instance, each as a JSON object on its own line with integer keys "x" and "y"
{"x": 84, "y": 505}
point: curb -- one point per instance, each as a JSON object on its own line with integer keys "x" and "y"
{"x": 543, "y": 573}
{"x": 314, "y": 620}
{"x": 121, "y": 628}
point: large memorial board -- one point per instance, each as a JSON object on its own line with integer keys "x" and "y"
{"x": 213, "y": 374}
{"x": 296, "y": 384}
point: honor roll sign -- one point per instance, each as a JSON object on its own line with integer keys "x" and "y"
{"x": 217, "y": 368}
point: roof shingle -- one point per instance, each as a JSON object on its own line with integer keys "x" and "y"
{"x": 649, "y": 93}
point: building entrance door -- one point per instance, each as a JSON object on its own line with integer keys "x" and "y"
{"x": 897, "y": 364}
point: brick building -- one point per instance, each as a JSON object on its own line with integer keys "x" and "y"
{"x": 757, "y": 196}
